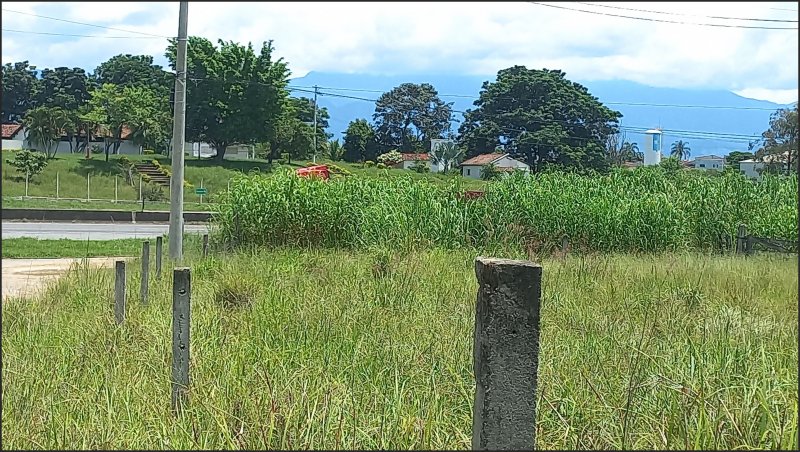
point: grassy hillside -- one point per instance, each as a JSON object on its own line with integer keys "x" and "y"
{"x": 72, "y": 170}
{"x": 301, "y": 349}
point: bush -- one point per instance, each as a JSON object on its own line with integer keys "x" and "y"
{"x": 381, "y": 165}
{"x": 490, "y": 172}
{"x": 28, "y": 162}
{"x": 420, "y": 166}
{"x": 369, "y": 163}
{"x": 96, "y": 149}
{"x": 148, "y": 152}
{"x": 390, "y": 158}
{"x": 153, "y": 192}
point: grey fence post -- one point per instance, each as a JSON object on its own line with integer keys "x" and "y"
{"x": 140, "y": 189}
{"x": 87, "y": 187}
{"x": 181, "y": 316}
{"x": 27, "y": 177}
{"x": 145, "y": 269}
{"x": 159, "y": 249}
{"x": 564, "y": 245}
{"x": 741, "y": 237}
{"x": 205, "y": 245}
{"x": 57, "y": 185}
{"x": 119, "y": 292}
{"x": 115, "y": 188}
{"x": 506, "y": 354}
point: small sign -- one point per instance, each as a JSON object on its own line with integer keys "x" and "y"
{"x": 201, "y": 191}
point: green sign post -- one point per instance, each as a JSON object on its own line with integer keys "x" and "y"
{"x": 201, "y": 191}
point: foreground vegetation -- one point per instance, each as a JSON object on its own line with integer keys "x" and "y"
{"x": 308, "y": 349}
{"x": 649, "y": 209}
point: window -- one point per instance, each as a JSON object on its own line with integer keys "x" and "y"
{"x": 656, "y": 142}
{"x": 468, "y": 171}
{"x": 702, "y": 165}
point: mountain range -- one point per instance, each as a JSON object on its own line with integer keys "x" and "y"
{"x": 682, "y": 114}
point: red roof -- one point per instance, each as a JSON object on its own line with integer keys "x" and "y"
{"x": 9, "y": 130}
{"x": 483, "y": 159}
{"x": 414, "y": 157}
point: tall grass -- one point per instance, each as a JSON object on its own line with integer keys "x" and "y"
{"x": 643, "y": 210}
{"x": 330, "y": 349}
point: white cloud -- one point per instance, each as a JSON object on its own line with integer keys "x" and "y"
{"x": 471, "y": 38}
{"x": 779, "y": 96}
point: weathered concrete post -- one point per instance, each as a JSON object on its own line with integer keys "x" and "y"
{"x": 564, "y": 245}
{"x": 159, "y": 249}
{"x": 181, "y": 316}
{"x": 205, "y": 245}
{"x": 741, "y": 238}
{"x": 119, "y": 292}
{"x": 506, "y": 354}
{"x": 145, "y": 269}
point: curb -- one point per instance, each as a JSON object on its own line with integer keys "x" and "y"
{"x": 112, "y": 216}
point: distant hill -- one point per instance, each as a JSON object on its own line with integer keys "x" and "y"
{"x": 675, "y": 121}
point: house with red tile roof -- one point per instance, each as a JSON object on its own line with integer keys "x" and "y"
{"x": 409, "y": 159}
{"x": 472, "y": 167}
{"x": 15, "y": 137}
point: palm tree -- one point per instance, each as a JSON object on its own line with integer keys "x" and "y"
{"x": 446, "y": 154}
{"x": 335, "y": 150}
{"x": 45, "y": 125}
{"x": 680, "y": 150}
{"x": 630, "y": 152}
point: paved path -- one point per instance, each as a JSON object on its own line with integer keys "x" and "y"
{"x": 91, "y": 231}
{"x": 27, "y": 277}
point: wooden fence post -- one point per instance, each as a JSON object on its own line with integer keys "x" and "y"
{"x": 119, "y": 292}
{"x": 145, "y": 269}
{"x": 506, "y": 354}
{"x": 181, "y": 320}
{"x": 205, "y": 245}
{"x": 159, "y": 249}
{"x": 741, "y": 237}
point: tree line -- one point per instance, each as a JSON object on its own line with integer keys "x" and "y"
{"x": 237, "y": 94}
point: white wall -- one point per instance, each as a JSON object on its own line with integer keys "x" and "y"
{"x": 508, "y": 162}
{"x": 709, "y": 164}
{"x": 13, "y": 145}
{"x": 750, "y": 169}
{"x": 471, "y": 171}
{"x": 653, "y": 144}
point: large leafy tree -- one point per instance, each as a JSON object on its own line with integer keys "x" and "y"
{"x": 19, "y": 88}
{"x": 45, "y": 125}
{"x": 734, "y": 158}
{"x": 114, "y": 108}
{"x": 304, "y": 112}
{"x": 135, "y": 71}
{"x": 680, "y": 150}
{"x": 234, "y": 95}
{"x": 67, "y": 89}
{"x": 409, "y": 116}
{"x": 359, "y": 142}
{"x": 779, "y": 142}
{"x": 540, "y": 117}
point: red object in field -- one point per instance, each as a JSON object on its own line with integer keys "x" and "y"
{"x": 473, "y": 194}
{"x": 319, "y": 171}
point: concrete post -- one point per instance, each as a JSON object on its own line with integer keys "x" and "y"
{"x": 159, "y": 249}
{"x": 87, "y": 187}
{"x": 145, "y": 270}
{"x": 741, "y": 237}
{"x": 205, "y": 245}
{"x": 57, "y": 186}
{"x": 181, "y": 316}
{"x": 27, "y": 177}
{"x": 115, "y": 188}
{"x": 119, "y": 292}
{"x": 506, "y": 354}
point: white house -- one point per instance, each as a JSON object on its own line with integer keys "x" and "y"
{"x": 752, "y": 168}
{"x": 205, "y": 150}
{"x": 15, "y": 137}
{"x": 409, "y": 159}
{"x": 709, "y": 162}
{"x": 472, "y": 167}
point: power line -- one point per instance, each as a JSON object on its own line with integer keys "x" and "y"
{"x": 663, "y": 20}
{"x": 686, "y": 15}
{"x": 77, "y": 36}
{"x": 86, "y": 24}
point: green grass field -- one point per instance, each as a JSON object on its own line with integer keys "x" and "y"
{"x": 297, "y": 349}
{"x": 30, "y": 248}
{"x": 72, "y": 169}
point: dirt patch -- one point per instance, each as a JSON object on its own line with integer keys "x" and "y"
{"x": 28, "y": 277}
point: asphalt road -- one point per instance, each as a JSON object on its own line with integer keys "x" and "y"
{"x": 91, "y": 231}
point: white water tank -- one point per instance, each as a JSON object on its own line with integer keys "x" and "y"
{"x": 652, "y": 147}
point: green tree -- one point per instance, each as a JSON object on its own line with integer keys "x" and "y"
{"x": 45, "y": 125}
{"x": 619, "y": 150}
{"x": 19, "y": 89}
{"x": 67, "y": 89}
{"x": 235, "y": 95}
{"x": 335, "y": 150}
{"x": 490, "y": 172}
{"x": 446, "y": 155}
{"x": 114, "y": 108}
{"x": 28, "y": 162}
{"x": 304, "y": 111}
{"x": 680, "y": 150}
{"x": 779, "y": 142}
{"x": 409, "y": 116}
{"x": 734, "y": 158}
{"x": 359, "y": 142}
{"x": 540, "y": 117}
{"x": 135, "y": 71}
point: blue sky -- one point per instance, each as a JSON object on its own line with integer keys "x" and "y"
{"x": 459, "y": 38}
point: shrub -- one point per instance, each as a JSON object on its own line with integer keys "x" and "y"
{"x": 369, "y": 163}
{"x": 390, "y": 158}
{"x": 28, "y": 162}
{"x": 96, "y": 149}
{"x": 153, "y": 192}
{"x": 490, "y": 172}
{"x": 420, "y": 166}
{"x": 148, "y": 152}
{"x": 381, "y": 165}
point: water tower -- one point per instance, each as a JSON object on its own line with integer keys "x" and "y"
{"x": 652, "y": 147}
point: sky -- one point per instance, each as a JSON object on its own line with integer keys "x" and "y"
{"x": 396, "y": 38}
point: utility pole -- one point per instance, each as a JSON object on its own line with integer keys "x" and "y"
{"x": 178, "y": 140}
{"x": 315, "y": 124}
